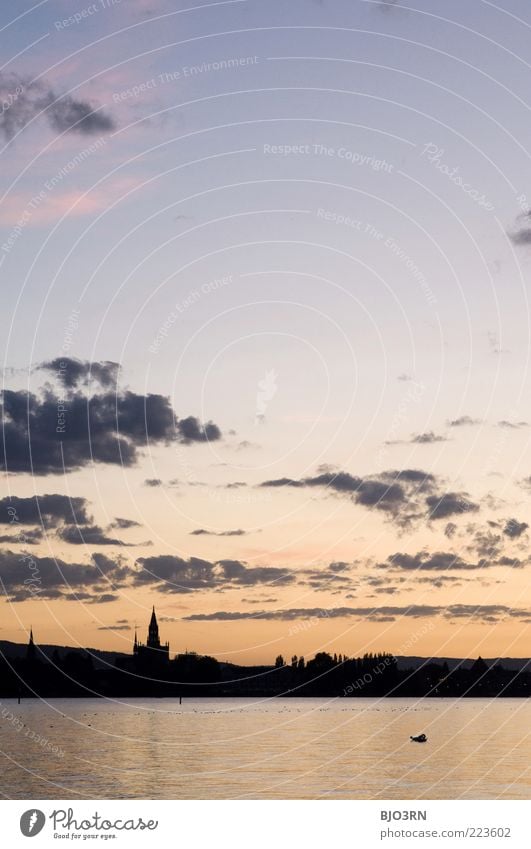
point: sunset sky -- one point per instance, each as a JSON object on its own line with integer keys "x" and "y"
{"x": 266, "y": 330}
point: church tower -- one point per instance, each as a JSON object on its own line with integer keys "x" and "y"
{"x": 153, "y": 640}
{"x": 153, "y": 653}
{"x": 31, "y": 651}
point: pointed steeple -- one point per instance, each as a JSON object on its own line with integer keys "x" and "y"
{"x": 153, "y": 640}
{"x": 30, "y": 652}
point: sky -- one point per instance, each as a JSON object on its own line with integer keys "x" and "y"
{"x": 266, "y": 337}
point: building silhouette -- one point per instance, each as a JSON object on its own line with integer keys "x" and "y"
{"x": 31, "y": 651}
{"x": 48, "y": 671}
{"x": 153, "y": 654}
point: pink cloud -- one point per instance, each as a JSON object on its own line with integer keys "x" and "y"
{"x": 49, "y": 208}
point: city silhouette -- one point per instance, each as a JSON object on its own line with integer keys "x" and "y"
{"x": 151, "y": 671}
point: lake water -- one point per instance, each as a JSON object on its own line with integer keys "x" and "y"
{"x": 266, "y": 749}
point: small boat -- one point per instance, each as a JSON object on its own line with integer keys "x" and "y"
{"x": 419, "y": 738}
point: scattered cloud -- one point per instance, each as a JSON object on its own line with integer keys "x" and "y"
{"x": 123, "y": 524}
{"x": 512, "y": 425}
{"x": 64, "y": 113}
{"x": 26, "y": 577}
{"x": 87, "y": 535}
{"x": 71, "y": 373}
{"x": 259, "y": 600}
{"x": 203, "y": 532}
{"x": 450, "y": 530}
{"x": 463, "y": 421}
{"x": 31, "y": 536}
{"x": 171, "y": 574}
{"x": 406, "y": 496}
{"x": 63, "y": 430}
{"x": 45, "y": 510}
{"x": 450, "y": 504}
{"x": 521, "y": 233}
{"x": 428, "y": 438}
{"x": 480, "y": 612}
{"x": 191, "y": 430}
{"x": 439, "y": 561}
{"x": 514, "y": 529}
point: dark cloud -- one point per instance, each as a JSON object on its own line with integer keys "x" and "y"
{"x": 78, "y": 116}
{"x": 61, "y": 431}
{"x": 380, "y": 493}
{"x": 123, "y": 524}
{"x": 23, "y": 577}
{"x": 328, "y": 579}
{"x": 339, "y": 566}
{"x": 28, "y": 99}
{"x": 444, "y": 561}
{"x": 401, "y": 494}
{"x": 114, "y": 628}
{"x": 463, "y": 421}
{"x": 259, "y": 600}
{"x": 191, "y": 430}
{"x": 512, "y": 562}
{"x": 480, "y": 613}
{"x": 280, "y": 482}
{"x": 486, "y": 612}
{"x": 173, "y": 574}
{"x": 521, "y": 237}
{"x": 514, "y": 529}
{"x": 203, "y": 532}
{"x": 44, "y": 510}
{"x": 450, "y": 504}
{"x": 521, "y": 234}
{"x": 153, "y": 482}
{"x": 71, "y": 372}
{"x": 87, "y": 535}
{"x": 512, "y": 425}
{"x": 450, "y": 530}
{"x": 438, "y": 580}
{"x": 427, "y": 438}
{"x": 439, "y": 561}
{"x": 484, "y": 543}
{"x": 30, "y": 536}
{"x": 244, "y": 444}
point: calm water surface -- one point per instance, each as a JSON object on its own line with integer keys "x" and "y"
{"x": 269, "y": 749}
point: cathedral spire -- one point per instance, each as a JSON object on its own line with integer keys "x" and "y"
{"x": 30, "y": 652}
{"x": 152, "y": 652}
{"x": 153, "y": 640}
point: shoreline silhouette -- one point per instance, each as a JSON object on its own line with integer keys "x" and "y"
{"x": 54, "y": 671}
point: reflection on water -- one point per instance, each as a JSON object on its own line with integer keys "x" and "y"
{"x": 279, "y": 748}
